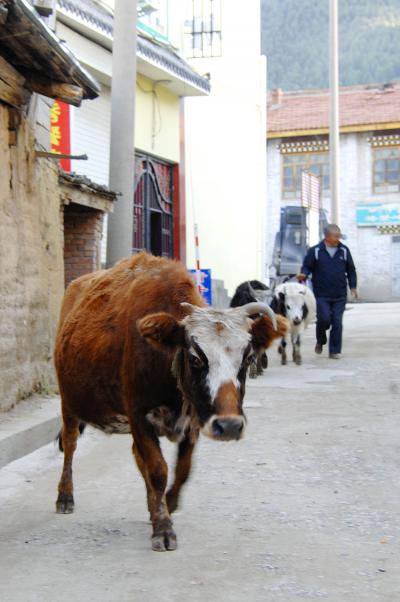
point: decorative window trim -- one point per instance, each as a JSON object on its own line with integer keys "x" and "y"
{"x": 385, "y": 140}
{"x": 306, "y": 146}
{"x": 392, "y": 229}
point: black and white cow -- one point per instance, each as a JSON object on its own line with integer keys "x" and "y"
{"x": 297, "y": 303}
{"x": 249, "y": 292}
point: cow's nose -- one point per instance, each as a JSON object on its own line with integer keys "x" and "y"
{"x": 228, "y": 428}
{"x": 296, "y": 321}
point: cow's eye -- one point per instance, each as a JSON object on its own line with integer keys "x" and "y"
{"x": 195, "y": 361}
{"x": 287, "y": 306}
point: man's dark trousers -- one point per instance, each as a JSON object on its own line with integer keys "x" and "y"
{"x": 330, "y": 315}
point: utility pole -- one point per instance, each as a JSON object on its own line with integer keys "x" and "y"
{"x": 122, "y": 146}
{"x": 334, "y": 112}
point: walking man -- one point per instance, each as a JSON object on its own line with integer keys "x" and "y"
{"x": 331, "y": 266}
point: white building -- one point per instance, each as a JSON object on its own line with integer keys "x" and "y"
{"x": 163, "y": 79}
{"x": 297, "y": 139}
{"x": 225, "y": 141}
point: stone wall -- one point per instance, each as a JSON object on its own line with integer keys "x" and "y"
{"x": 31, "y": 265}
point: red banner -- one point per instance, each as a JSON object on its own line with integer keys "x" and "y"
{"x": 60, "y": 132}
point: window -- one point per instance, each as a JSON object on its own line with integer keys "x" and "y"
{"x": 294, "y": 164}
{"x": 386, "y": 169}
{"x": 203, "y": 28}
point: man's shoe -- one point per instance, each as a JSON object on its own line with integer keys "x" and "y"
{"x": 334, "y": 356}
{"x": 318, "y": 348}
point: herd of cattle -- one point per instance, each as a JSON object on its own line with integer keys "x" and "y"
{"x": 138, "y": 351}
{"x": 292, "y": 300}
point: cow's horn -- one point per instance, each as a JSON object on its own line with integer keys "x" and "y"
{"x": 260, "y": 308}
{"x": 188, "y": 307}
{"x": 251, "y": 289}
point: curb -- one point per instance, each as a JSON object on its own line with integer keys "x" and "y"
{"x": 30, "y": 425}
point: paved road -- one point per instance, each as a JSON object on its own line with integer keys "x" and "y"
{"x": 305, "y": 508}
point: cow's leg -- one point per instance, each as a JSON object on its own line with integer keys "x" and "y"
{"x": 153, "y": 466}
{"x": 296, "y": 342}
{"x": 150, "y": 493}
{"x": 259, "y": 364}
{"x": 69, "y": 436}
{"x": 282, "y": 351}
{"x": 264, "y": 360}
{"x": 182, "y": 470}
{"x": 253, "y": 368}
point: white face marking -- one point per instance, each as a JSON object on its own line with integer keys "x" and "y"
{"x": 223, "y": 335}
{"x": 294, "y": 299}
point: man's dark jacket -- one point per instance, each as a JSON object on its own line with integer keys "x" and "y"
{"x": 330, "y": 274}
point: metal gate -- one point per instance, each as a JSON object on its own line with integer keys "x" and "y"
{"x": 152, "y": 207}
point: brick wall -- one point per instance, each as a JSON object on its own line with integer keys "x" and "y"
{"x": 82, "y": 239}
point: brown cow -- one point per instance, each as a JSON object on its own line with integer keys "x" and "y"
{"x": 138, "y": 352}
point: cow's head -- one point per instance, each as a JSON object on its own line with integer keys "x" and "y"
{"x": 212, "y": 350}
{"x": 290, "y": 301}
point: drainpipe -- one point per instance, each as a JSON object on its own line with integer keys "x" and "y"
{"x": 122, "y": 145}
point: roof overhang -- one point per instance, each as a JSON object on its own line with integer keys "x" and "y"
{"x": 39, "y": 56}
{"x": 154, "y": 60}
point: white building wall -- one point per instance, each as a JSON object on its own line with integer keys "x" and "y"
{"x": 373, "y": 252}
{"x": 225, "y": 154}
{"x": 90, "y": 134}
{"x": 274, "y": 198}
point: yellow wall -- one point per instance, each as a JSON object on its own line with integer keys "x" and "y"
{"x": 157, "y": 120}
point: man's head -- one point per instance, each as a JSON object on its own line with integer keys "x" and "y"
{"x": 332, "y": 235}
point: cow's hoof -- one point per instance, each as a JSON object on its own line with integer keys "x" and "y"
{"x": 284, "y": 361}
{"x": 65, "y": 504}
{"x": 298, "y": 361}
{"x": 264, "y": 361}
{"x": 164, "y": 542}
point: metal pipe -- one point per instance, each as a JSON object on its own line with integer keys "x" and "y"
{"x": 334, "y": 113}
{"x": 122, "y": 145}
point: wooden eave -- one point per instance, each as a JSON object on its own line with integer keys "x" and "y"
{"x": 43, "y": 64}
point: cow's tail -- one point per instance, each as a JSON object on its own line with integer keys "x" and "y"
{"x": 82, "y": 427}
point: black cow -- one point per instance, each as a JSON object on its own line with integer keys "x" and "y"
{"x": 249, "y": 292}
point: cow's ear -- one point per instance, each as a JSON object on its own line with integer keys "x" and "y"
{"x": 263, "y": 333}
{"x": 162, "y": 331}
{"x": 282, "y": 297}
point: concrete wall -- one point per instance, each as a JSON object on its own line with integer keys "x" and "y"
{"x": 372, "y": 252}
{"x": 31, "y": 265}
{"x": 225, "y": 153}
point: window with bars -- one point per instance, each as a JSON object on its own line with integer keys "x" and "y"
{"x": 386, "y": 169}
{"x": 294, "y": 164}
{"x": 203, "y": 37}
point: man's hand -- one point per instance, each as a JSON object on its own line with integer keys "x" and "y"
{"x": 301, "y": 277}
{"x": 354, "y": 293}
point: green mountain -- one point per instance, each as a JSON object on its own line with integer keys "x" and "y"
{"x": 294, "y": 36}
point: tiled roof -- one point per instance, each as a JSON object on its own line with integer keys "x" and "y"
{"x": 97, "y": 16}
{"x": 309, "y": 109}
